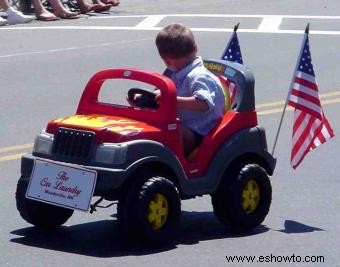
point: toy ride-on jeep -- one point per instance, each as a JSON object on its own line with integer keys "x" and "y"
{"x": 134, "y": 155}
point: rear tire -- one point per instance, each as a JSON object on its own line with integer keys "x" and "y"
{"x": 150, "y": 213}
{"x": 39, "y": 214}
{"x": 243, "y": 199}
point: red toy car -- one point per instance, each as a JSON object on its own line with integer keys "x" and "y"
{"x": 134, "y": 155}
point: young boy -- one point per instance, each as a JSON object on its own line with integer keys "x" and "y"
{"x": 200, "y": 97}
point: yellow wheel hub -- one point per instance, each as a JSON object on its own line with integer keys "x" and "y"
{"x": 158, "y": 211}
{"x": 250, "y": 196}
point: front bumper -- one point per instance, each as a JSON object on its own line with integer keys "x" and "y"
{"x": 108, "y": 180}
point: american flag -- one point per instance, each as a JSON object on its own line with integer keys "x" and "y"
{"x": 232, "y": 52}
{"x": 311, "y": 127}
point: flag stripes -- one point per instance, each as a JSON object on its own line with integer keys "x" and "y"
{"x": 310, "y": 128}
{"x": 232, "y": 90}
{"x": 326, "y": 133}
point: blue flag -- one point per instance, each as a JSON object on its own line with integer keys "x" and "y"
{"x": 233, "y": 52}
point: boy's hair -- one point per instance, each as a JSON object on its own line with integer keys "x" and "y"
{"x": 175, "y": 40}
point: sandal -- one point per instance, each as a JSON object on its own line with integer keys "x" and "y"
{"x": 102, "y": 8}
{"x": 69, "y": 16}
{"x": 47, "y": 18}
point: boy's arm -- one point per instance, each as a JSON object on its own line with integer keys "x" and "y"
{"x": 192, "y": 103}
{"x": 189, "y": 102}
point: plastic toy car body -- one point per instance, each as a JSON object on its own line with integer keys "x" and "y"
{"x": 134, "y": 156}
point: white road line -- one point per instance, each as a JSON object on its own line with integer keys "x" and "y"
{"x": 73, "y": 48}
{"x": 252, "y": 16}
{"x": 113, "y": 28}
{"x": 150, "y": 21}
{"x": 118, "y": 17}
{"x": 222, "y": 16}
{"x": 270, "y": 24}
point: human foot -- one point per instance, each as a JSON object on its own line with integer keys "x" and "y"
{"x": 3, "y": 21}
{"x": 86, "y": 7}
{"x": 111, "y": 2}
{"x": 16, "y": 17}
{"x": 101, "y": 6}
{"x": 66, "y": 14}
{"x": 46, "y": 16}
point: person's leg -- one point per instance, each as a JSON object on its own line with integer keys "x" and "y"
{"x": 86, "y": 7}
{"x": 13, "y": 16}
{"x": 60, "y": 11}
{"x": 4, "y": 5}
{"x": 41, "y": 13}
{"x": 101, "y": 6}
{"x": 189, "y": 140}
{"x": 111, "y": 2}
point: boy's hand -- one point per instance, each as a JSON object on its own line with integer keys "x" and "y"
{"x": 158, "y": 96}
{"x": 133, "y": 101}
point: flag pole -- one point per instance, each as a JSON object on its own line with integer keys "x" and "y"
{"x": 290, "y": 88}
{"x": 236, "y": 27}
{"x": 235, "y": 30}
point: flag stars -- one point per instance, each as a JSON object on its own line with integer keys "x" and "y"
{"x": 232, "y": 51}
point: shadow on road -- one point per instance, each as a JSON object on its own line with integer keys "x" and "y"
{"x": 101, "y": 238}
{"x": 293, "y": 227}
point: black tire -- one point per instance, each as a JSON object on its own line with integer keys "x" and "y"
{"x": 39, "y": 214}
{"x": 134, "y": 211}
{"x": 243, "y": 198}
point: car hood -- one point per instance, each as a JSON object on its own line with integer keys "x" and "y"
{"x": 107, "y": 128}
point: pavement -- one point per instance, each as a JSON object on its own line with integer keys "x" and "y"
{"x": 45, "y": 66}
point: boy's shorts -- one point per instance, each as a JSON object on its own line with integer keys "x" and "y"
{"x": 198, "y": 138}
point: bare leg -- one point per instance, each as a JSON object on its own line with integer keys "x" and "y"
{"x": 101, "y": 6}
{"x": 4, "y": 5}
{"x": 41, "y": 12}
{"x": 86, "y": 7}
{"x": 60, "y": 11}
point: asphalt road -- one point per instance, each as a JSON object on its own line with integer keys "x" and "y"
{"x": 45, "y": 66}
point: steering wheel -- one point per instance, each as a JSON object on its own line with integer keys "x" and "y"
{"x": 145, "y": 100}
